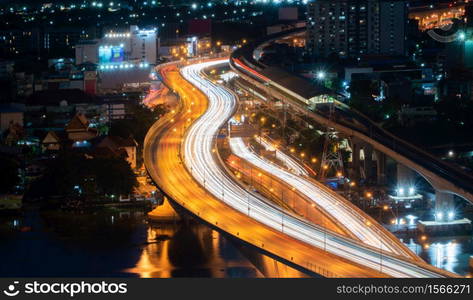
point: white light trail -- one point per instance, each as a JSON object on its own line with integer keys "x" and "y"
{"x": 201, "y": 162}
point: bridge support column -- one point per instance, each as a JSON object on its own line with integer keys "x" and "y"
{"x": 444, "y": 206}
{"x": 405, "y": 177}
{"x": 368, "y": 151}
{"x": 380, "y": 167}
{"x": 355, "y": 163}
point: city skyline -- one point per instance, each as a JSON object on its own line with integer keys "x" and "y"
{"x": 237, "y": 139}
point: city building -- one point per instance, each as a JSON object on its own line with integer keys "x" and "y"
{"x": 42, "y": 40}
{"x": 351, "y": 28}
{"x": 79, "y": 130}
{"x": 122, "y": 59}
{"x": 9, "y": 115}
{"x": 120, "y": 50}
{"x": 430, "y": 17}
{"x": 53, "y": 141}
{"x": 185, "y": 47}
{"x": 115, "y": 143}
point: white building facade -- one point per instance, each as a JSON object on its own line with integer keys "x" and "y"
{"x": 120, "y": 50}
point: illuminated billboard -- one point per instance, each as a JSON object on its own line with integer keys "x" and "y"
{"x": 191, "y": 46}
{"x": 111, "y": 54}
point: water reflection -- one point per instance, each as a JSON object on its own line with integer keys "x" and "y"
{"x": 449, "y": 253}
{"x": 179, "y": 250}
{"x": 121, "y": 243}
{"x": 115, "y": 243}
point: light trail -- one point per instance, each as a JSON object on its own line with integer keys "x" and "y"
{"x": 202, "y": 163}
{"x": 328, "y": 200}
{"x": 288, "y": 161}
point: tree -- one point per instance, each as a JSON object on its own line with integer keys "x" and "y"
{"x": 71, "y": 175}
{"x": 113, "y": 176}
{"x": 9, "y": 174}
{"x": 143, "y": 119}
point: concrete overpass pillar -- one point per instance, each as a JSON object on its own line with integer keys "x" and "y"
{"x": 444, "y": 206}
{"x": 368, "y": 151}
{"x": 355, "y": 164}
{"x": 380, "y": 167}
{"x": 405, "y": 177}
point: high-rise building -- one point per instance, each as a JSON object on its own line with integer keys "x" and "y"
{"x": 351, "y": 28}
{"x": 393, "y": 27}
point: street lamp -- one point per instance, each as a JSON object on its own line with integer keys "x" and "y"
{"x": 451, "y": 215}
{"x": 400, "y": 191}
{"x": 321, "y": 75}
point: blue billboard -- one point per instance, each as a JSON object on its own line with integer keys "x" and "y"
{"x": 111, "y": 54}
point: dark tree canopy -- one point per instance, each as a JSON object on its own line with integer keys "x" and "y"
{"x": 143, "y": 119}
{"x": 74, "y": 174}
{"x": 9, "y": 174}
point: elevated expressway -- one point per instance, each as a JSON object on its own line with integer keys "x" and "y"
{"x": 360, "y": 225}
{"x": 179, "y": 157}
{"x": 445, "y": 178}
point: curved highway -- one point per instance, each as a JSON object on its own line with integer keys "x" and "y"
{"x": 363, "y": 227}
{"x": 197, "y": 148}
{"x": 163, "y": 162}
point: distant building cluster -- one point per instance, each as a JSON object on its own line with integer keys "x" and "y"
{"x": 351, "y": 28}
{"x": 134, "y": 48}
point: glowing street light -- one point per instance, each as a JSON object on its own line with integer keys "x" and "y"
{"x": 321, "y": 75}
{"x": 400, "y": 191}
{"x": 451, "y": 215}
